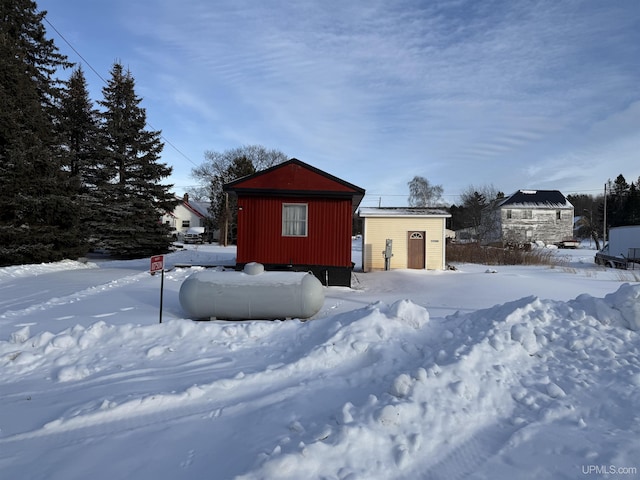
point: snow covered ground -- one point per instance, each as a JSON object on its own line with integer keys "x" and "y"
{"x": 483, "y": 372}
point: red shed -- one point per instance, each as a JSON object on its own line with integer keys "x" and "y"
{"x": 293, "y": 216}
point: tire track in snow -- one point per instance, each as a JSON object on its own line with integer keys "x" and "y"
{"x": 151, "y": 409}
{"x": 465, "y": 458}
{"x": 124, "y": 278}
{"x": 275, "y": 383}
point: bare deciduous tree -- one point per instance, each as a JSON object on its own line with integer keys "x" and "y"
{"x": 422, "y": 193}
{"x": 218, "y": 165}
{"x": 223, "y": 167}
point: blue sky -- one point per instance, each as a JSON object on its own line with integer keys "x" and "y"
{"x": 535, "y": 94}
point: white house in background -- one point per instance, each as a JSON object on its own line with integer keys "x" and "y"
{"x": 417, "y": 235}
{"x": 187, "y": 214}
{"x": 532, "y": 216}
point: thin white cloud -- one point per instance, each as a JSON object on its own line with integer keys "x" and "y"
{"x": 449, "y": 89}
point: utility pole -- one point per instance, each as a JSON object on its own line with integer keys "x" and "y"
{"x": 604, "y": 227}
{"x": 226, "y": 219}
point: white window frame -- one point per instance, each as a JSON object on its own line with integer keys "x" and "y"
{"x": 295, "y": 227}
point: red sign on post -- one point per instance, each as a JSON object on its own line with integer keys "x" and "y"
{"x": 157, "y": 263}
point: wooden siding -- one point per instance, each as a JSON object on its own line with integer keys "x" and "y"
{"x": 180, "y": 214}
{"x": 378, "y": 229}
{"x": 260, "y": 239}
{"x": 531, "y": 225}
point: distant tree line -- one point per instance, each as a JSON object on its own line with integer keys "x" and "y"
{"x": 622, "y": 208}
{"x": 72, "y": 177}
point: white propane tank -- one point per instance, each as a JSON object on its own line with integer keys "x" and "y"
{"x": 251, "y": 294}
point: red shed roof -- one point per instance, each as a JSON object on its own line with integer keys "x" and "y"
{"x": 295, "y": 178}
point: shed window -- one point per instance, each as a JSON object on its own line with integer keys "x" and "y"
{"x": 558, "y": 215}
{"x": 185, "y": 224}
{"x": 294, "y": 219}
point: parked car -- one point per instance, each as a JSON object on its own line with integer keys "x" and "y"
{"x": 569, "y": 243}
{"x": 193, "y": 235}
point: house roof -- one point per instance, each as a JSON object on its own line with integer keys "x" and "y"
{"x": 200, "y": 208}
{"x": 403, "y": 212}
{"x": 295, "y": 178}
{"x": 536, "y": 199}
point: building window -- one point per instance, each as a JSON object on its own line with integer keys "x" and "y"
{"x": 558, "y": 215}
{"x": 294, "y": 219}
{"x": 185, "y": 224}
{"x": 527, "y": 214}
{"x": 509, "y": 214}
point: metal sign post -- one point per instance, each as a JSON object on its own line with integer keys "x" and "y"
{"x": 157, "y": 265}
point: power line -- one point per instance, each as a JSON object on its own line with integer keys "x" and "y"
{"x": 166, "y": 140}
{"x": 73, "y": 48}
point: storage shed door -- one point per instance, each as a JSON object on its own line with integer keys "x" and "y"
{"x": 416, "y": 250}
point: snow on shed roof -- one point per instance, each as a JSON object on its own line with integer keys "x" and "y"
{"x": 402, "y": 212}
{"x": 536, "y": 199}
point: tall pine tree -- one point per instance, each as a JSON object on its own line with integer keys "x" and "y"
{"x": 78, "y": 131}
{"x": 37, "y": 211}
{"x": 132, "y": 198}
{"x": 77, "y": 126}
{"x": 618, "y": 193}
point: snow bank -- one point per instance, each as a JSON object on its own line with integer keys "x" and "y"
{"x": 17, "y": 271}
{"x": 384, "y": 391}
{"x": 627, "y": 301}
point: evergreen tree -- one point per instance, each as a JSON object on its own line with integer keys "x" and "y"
{"x": 478, "y": 209}
{"x": 79, "y": 149}
{"x": 78, "y": 131}
{"x": 37, "y": 213}
{"x": 617, "y": 195}
{"x": 632, "y": 205}
{"x": 131, "y": 197}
